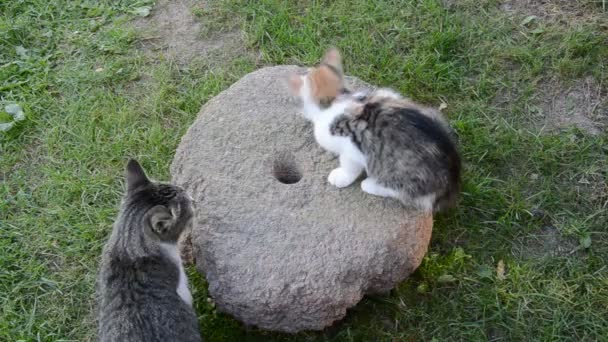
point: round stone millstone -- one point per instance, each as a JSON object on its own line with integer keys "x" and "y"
{"x": 281, "y": 248}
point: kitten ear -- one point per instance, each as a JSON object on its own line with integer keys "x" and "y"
{"x": 332, "y": 57}
{"x": 161, "y": 220}
{"x": 135, "y": 174}
{"x": 295, "y": 84}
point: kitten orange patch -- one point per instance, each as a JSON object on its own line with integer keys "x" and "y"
{"x": 324, "y": 81}
{"x": 325, "y": 84}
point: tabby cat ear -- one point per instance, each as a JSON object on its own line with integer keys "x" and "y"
{"x": 161, "y": 220}
{"x": 135, "y": 174}
{"x": 332, "y": 58}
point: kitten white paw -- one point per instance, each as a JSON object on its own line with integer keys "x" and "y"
{"x": 371, "y": 186}
{"x": 368, "y": 186}
{"x": 340, "y": 178}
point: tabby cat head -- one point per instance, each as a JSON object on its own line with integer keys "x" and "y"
{"x": 167, "y": 209}
{"x": 321, "y": 84}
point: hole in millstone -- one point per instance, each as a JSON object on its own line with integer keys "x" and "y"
{"x": 285, "y": 169}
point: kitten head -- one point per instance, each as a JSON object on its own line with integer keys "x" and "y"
{"x": 167, "y": 209}
{"x": 320, "y": 85}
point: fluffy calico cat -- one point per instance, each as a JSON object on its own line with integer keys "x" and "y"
{"x": 408, "y": 151}
{"x": 142, "y": 288}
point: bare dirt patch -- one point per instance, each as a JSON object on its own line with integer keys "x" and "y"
{"x": 545, "y": 242}
{"x": 567, "y": 11}
{"x": 580, "y": 104}
{"x": 592, "y": 186}
{"x": 559, "y": 104}
{"x": 173, "y": 29}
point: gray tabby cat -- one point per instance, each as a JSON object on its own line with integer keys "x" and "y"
{"x": 142, "y": 287}
{"x": 408, "y": 151}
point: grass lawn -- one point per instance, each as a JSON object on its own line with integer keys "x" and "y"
{"x": 522, "y": 258}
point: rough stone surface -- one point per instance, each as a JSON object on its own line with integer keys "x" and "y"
{"x": 285, "y": 257}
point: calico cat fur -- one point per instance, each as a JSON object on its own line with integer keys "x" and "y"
{"x": 408, "y": 151}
